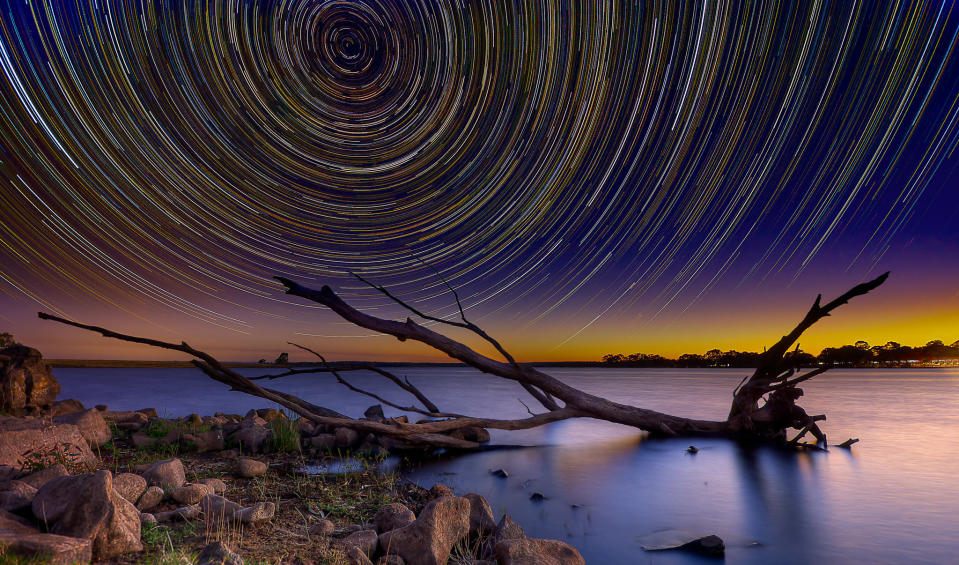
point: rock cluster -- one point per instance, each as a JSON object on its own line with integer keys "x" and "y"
{"x": 26, "y": 383}
{"x": 398, "y": 537}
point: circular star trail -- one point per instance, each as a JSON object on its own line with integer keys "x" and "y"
{"x": 539, "y": 155}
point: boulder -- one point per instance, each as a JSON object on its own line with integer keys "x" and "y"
{"x": 259, "y": 512}
{"x": 481, "y": 516}
{"x": 536, "y": 552}
{"x": 91, "y": 424}
{"x": 429, "y": 539}
{"x": 130, "y": 421}
{"x": 249, "y": 468}
{"x": 150, "y": 498}
{"x": 130, "y": 486}
{"x": 168, "y": 474}
{"x": 87, "y": 506}
{"x": 711, "y": 545}
{"x": 26, "y": 383}
{"x": 305, "y": 427}
{"x": 251, "y": 438}
{"x": 41, "y": 477}
{"x": 17, "y": 496}
{"x": 366, "y": 540}
{"x": 218, "y": 553}
{"x": 43, "y": 443}
{"x": 270, "y": 414}
{"x": 507, "y": 529}
{"x": 191, "y": 493}
{"x": 143, "y": 441}
{"x": 392, "y": 516}
{"x": 345, "y": 437}
{"x": 19, "y": 538}
{"x": 218, "y": 486}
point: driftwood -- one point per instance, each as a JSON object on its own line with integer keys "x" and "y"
{"x": 763, "y": 408}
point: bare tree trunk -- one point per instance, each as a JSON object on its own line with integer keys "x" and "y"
{"x": 763, "y": 408}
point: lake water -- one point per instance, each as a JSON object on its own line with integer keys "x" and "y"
{"x": 894, "y": 498}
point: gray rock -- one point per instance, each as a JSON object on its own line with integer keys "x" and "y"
{"x": 439, "y": 490}
{"x": 323, "y": 441}
{"x": 181, "y": 513}
{"x": 711, "y": 545}
{"x": 217, "y": 509}
{"x": 355, "y": 556}
{"x": 147, "y": 519}
{"x": 130, "y": 486}
{"x": 508, "y": 529}
{"x": 19, "y": 538}
{"x": 392, "y": 516}
{"x": 41, "y": 477}
{"x": 429, "y": 539}
{"x": 150, "y": 498}
{"x": 345, "y": 437}
{"x": 252, "y": 438}
{"x": 322, "y": 528}
{"x": 374, "y": 413}
{"x": 249, "y": 468}
{"x": 168, "y": 474}
{"x": 33, "y": 440}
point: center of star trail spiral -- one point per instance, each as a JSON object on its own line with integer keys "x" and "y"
{"x": 604, "y": 155}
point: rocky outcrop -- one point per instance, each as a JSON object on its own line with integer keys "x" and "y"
{"x": 31, "y": 441}
{"x": 87, "y": 506}
{"x": 429, "y": 539}
{"x": 536, "y": 552}
{"x": 26, "y": 383}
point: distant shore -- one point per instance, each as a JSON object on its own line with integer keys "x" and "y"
{"x": 133, "y": 364}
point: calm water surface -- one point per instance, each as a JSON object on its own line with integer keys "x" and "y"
{"x": 893, "y": 499}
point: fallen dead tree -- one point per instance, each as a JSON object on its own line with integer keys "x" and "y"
{"x": 764, "y": 406}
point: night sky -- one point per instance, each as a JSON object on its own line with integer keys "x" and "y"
{"x": 593, "y": 177}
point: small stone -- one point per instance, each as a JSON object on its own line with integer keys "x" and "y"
{"x": 218, "y": 486}
{"x": 355, "y": 556}
{"x": 711, "y": 545}
{"x": 218, "y": 509}
{"x": 397, "y": 560}
{"x": 130, "y": 486}
{"x": 256, "y": 513}
{"x": 322, "y": 528}
{"x": 537, "y": 497}
{"x": 191, "y": 494}
{"x": 218, "y": 553}
{"x": 147, "y": 519}
{"x": 374, "y": 413}
{"x": 692, "y": 449}
{"x": 501, "y": 473}
{"x": 182, "y": 513}
{"x": 527, "y": 551}
{"x": 249, "y": 468}
{"x": 439, "y": 490}
{"x": 150, "y": 498}
{"x": 168, "y": 474}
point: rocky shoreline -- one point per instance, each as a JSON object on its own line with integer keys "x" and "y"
{"x": 82, "y": 485}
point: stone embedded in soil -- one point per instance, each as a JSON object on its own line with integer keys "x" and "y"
{"x": 218, "y": 486}
{"x": 536, "y": 551}
{"x": 87, "y": 506}
{"x": 182, "y": 513}
{"x": 429, "y": 539}
{"x": 150, "y": 498}
{"x": 18, "y": 496}
{"x": 249, "y": 468}
{"x": 191, "y": 493}
{"x": 259, "y": 512}
{"x": 130, "y": 486}
{"x": 392, "y": 516}
{"x": 322, "y": 528}
{"x": 218, "y": 553}
{"x": 217, "y": 509}
{"x": 168, "y": 474}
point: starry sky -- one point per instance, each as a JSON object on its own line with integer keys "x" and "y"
{"x": 591, "y": 176}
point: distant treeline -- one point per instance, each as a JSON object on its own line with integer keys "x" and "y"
{"x": 860, "y": 354}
